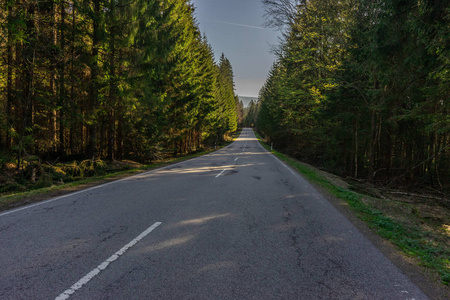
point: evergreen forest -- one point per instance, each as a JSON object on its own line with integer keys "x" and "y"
{"x": 361, "y": 88}
{"x": 109, "y": 79}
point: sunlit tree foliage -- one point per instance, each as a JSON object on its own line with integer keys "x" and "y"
{"x": 109, "y": 79}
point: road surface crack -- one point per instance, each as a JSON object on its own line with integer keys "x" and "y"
{"x": 116, "y": 232}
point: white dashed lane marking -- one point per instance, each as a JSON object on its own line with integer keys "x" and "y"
{"x": 80, "y": 283}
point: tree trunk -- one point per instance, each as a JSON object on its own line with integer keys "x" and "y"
{"x": 436, "y": 153}
{"x": 28, "y": 64}
{"x": 356, "y": 151}
{"x": 62, "y": 69}
{"x": 93, "y": 88}
{"x": 120, "y": 134}
{"x": 372, "y": 146}
{"x": 119, "y": 112}
{"x": 112, "y": 75}
{"x": 19, "y": 111}
{"x": 73, "y": 124}
{"x": 54, "y": 118}
{"x": 9, "y": 82}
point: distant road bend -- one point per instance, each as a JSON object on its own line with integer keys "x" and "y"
{"x": 234, "y": 224}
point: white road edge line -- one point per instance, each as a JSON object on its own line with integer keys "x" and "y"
{"x": 223, "y": 171}
{"x": 290, "y": 170}
{"x": 282, "y": 163}
{"x": 66, "y": 294}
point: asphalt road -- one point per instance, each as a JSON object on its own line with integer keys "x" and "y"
{"x": 234, "y": 224}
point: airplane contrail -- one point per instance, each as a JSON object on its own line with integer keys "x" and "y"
{"x": 236, "y": 24}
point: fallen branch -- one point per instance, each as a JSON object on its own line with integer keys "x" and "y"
{"x": 416, "y": 195}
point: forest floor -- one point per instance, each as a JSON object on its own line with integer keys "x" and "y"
{"x": 411, "y": 228}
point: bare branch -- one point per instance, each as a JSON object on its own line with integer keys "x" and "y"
{"x": 280, "y": 13}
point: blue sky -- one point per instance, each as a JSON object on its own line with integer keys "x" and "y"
{"x": 236, "y": 28}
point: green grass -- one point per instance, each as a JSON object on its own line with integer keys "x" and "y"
{"x": 412, "y": 241}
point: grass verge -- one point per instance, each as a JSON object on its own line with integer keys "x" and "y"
{"x": 425, "y": 246}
